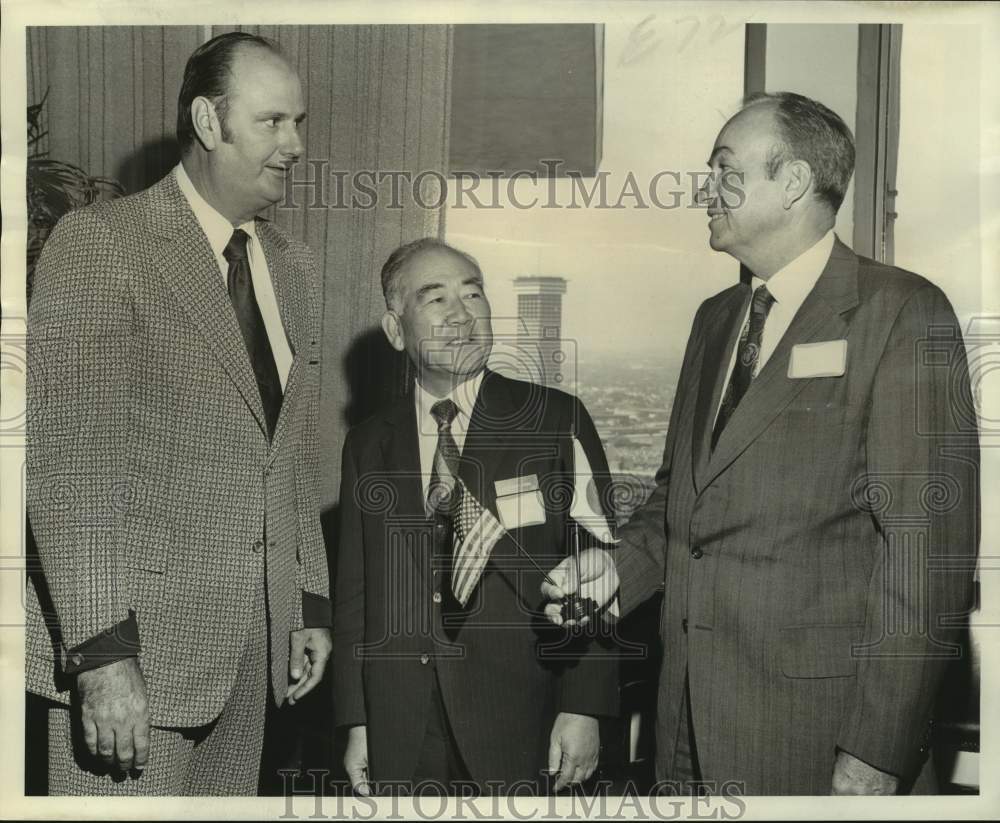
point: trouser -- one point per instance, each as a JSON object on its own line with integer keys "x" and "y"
{"x": 686, "y": 770}
{"x": 220, "y": 758}
{"x": 440, "y": 769}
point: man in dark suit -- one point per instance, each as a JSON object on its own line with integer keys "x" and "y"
{"x": 444, "y": 676}
{"x": 173, "y": 383}
{"x": 815, "y": 518}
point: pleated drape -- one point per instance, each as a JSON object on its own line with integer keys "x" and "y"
{"x": 377, "y": 99}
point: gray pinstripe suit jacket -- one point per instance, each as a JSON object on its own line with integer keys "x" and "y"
{"x": 149, "y": 472}
{"x": 812, "y": 560}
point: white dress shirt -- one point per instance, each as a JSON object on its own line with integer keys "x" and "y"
{"x": 789, "y": 287}
{"x": 219, "y": 230}
{"x": 464, "y": 395}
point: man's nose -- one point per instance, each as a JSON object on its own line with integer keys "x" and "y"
{"x": 706, "y": 192}
{"x": 293, "y": 146}
{"x": 458, "y": 313}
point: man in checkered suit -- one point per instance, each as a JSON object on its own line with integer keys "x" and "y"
{"x": 173, "y": 383}
{"x": 444, "y": 671}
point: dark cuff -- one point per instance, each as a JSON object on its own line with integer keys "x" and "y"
{"x": 317, "y": 611}
{"x": 111, "y": 645}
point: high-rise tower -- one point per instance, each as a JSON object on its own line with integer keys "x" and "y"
{"x": 539, "y": 308}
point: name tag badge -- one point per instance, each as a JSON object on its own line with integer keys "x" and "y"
{"x": 519, "y": 502}
{"x": 825, "y": 359}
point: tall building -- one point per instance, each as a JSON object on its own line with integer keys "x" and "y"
{"x": 539, "y": 308}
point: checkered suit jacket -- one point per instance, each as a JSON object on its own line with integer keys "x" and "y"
{"x": 817, "y": 561}
{"x": 149, "y": 472}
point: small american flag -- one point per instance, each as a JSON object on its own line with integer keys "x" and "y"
{"x": 476, "y": 533}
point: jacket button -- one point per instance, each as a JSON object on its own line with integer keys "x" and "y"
{"x": 437, "y": 597}
{"x": 424, "y": 659}
{"x": 684, "y": 625}
{"x": 258, "y": 546}
{"x": 697, "y": 553}
{"x": 77, "y": 659}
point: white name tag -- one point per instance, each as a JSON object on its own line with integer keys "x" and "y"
{"x": 518, "y": 510}
{"x": 826, "y": 359}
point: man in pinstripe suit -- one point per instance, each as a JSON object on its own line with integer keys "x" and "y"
{"x": 172, "y": 396}
{"x": 815, "y": 522}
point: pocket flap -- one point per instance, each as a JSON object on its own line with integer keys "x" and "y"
{"x": 820, "y": 650}
{"x": 147, "y": 545}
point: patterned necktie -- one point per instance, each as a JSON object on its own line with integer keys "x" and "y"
{"x": 745, "y": 367}
{"x": 446, "y": 457}
{"x": 240, "y": 285}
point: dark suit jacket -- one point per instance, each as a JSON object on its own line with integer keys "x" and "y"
{"x": 149, "y": 471}
{"x": 504, "y": 671}
{"x": 815, "y": 562}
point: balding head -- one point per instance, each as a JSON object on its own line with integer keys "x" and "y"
{"x": 807, "y": 130}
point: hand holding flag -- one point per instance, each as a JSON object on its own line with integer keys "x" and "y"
{"x": 592, "y": 575}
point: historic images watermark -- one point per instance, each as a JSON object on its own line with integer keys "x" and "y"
{"x": 323, "y": 187}
{"x": 306, "y": 797}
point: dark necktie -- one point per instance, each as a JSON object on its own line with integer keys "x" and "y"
{"x": 446, "y": 457}
{"x": 745, "y": 367}
{"x": 241, "y": 293}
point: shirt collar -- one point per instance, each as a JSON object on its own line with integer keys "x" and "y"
{"x": 791, "y": 284}
{"x": 464, "y": 396}
{"x": 217, "y": 228}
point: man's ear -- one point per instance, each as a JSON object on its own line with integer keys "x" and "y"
{"x": 205, "y": 119}
{"x": 798, "y": 181}
{"x": 393, "y": 328}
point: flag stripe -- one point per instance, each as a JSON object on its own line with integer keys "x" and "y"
{"x": 474, "y": 554}
{"x": 477, "y": 531}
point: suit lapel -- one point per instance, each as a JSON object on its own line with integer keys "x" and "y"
{"x": 185, "y": 258}
{"x": 401, "y": 463}
{"x": 819, "y": 318}
{"x": 484, "y": 441}
{"x": 290, "y": 293}
{"x": 487, "y": 444}
{"x": 723, "y": 332}
{"x": 287, "y": 278}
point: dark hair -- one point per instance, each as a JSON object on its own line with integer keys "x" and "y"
{"x": 813, "y": 133}
{"x": 404, "y": 254}
{"x": 207, "y": 74}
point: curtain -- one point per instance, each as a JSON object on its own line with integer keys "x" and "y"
{"x": 377, "y": 99}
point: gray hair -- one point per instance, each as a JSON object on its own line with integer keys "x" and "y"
{"x": 404, "y": 254}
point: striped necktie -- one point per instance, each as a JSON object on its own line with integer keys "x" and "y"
{"x": 446, "y": 457}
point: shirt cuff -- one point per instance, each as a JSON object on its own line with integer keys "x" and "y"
{"x": 317, "y": 611}
{"x": 111, "y": 645}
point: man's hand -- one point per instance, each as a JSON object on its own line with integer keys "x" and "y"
{"x": 853, "y": 776}
{"x": 115, "y": 713}
{"x": 307, "y": 655}
{"x": 573, "y": 748}
{"x": 596, "y": 578}
{"x": 356, "y": 759}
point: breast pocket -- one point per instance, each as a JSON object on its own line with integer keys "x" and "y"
{"x": 820, "y": 414}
